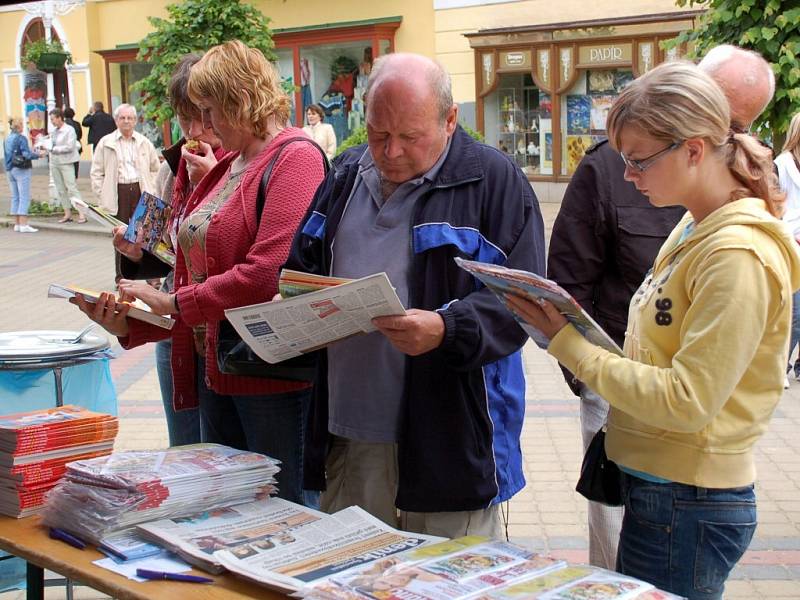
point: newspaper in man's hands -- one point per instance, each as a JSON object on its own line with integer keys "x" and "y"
{"x": 287, "y": 328}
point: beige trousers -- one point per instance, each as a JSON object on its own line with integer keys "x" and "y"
{"x": 365, "y": 474}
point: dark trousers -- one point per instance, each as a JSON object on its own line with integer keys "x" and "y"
{"x": 127, "y": 199}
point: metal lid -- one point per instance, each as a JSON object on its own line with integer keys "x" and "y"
{"x": 47, "y": 346}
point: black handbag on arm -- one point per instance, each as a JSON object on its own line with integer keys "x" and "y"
{"x": 234, "y": 356}
{"x": 600, "y": 479}
{"x": 18, "y": 160}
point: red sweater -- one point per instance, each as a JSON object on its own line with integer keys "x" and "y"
{"x": 243, "y": 260}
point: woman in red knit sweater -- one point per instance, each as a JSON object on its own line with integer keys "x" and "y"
{"x": 228, "y": 257}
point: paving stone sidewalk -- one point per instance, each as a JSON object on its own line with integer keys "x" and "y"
{"x": 547, "y": 515}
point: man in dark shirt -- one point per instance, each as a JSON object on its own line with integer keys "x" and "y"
{"x": 69, "y": 119}
{"x": 100, "y": 124}
{"x": 606, "y": 237}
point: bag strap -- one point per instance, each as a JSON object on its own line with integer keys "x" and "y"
{"x": 262, "y": 188}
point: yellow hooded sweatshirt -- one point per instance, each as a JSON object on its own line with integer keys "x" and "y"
{"x": 706, "y": 348}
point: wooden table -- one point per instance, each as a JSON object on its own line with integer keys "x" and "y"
{"x": 27, "y": 539}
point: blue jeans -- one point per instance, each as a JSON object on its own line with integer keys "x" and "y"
{"x": 795, "y": 337}
{"x": 684, "y": 539}
{"x": 183, "y": 426}
{"x": 270, "y": 424}
{"x": 19, "y": 180}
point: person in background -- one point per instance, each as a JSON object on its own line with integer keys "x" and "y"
{"x": 788, "y": 164}
{"x": 705, "y": 346}
{"x": 63, "y": 153}
{"x": 228, "y": 256}
{"x": 180, "y": 173}
{"x": 69, "y": 119}
{"x": 99, "y": 123}
{"x": 605, "y": 239}
{"x": 425, "y": 414}
{"x": 125, "y": 164}
{"x": 320, "y": 132}
{"x": 19, "y": 177}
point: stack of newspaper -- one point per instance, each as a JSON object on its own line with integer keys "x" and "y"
{"x": 476, "y": 568}
{"x": 36, "y": 446}
{"x": 100, "y": 497}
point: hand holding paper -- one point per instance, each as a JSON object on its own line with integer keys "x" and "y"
{"x": 415, "y": 333}
{"x": 540, "y": 313}
{"x": 129, "y": 249}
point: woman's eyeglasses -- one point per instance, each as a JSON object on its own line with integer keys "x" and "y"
{"x": 645, "y": 163}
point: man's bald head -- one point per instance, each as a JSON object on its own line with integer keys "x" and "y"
{"x": 746, "y": 79}
{"x": 418, "y": 73}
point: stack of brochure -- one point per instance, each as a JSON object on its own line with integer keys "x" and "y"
{"x": 100, "y": 497}
{"x": 36, "y": 446}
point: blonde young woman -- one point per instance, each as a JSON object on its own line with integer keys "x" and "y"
{"x": 788, "y": 164}
{"x": 706, "y": 338}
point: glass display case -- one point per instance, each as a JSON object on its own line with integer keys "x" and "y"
{"x": 517, "y": 121}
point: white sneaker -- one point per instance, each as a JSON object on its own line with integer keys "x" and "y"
{"x": 786, "y": 383}
{"x": 16, "y": 227}
{"x": 27, "y": 229}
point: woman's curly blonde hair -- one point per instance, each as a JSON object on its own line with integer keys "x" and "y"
{"x": 243, "y": 83}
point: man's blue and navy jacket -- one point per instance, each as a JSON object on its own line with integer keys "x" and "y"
{"x": 459, "y": 446}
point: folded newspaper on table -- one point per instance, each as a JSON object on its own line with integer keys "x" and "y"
{"x": 317, "y": 549}
{"x": 459, "y": 568}
{"x": 138, "y": 309}
{"x": 502, "y": 280}
{"x": 263, "y": 525}
{"x": 291, "y": 327}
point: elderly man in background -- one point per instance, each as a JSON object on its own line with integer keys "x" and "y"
{"x": 606, "y": 237}
{"x": 425, "y": 414}
{"x": 125, "y": 164}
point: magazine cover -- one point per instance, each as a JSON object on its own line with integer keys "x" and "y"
{"x": 502, "y": 280}
{"x": 577, "y": 145}
{"x": 579, "y": 107}
{"x": 600, "y": 107}
{"x": 147, "y": 224}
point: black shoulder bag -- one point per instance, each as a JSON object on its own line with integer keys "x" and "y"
{"x": 600, "y": 477}
{"x": 18, "y": 161}
{"x": 234, "y": 356}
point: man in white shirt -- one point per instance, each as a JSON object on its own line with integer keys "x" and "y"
{"x": 125, "y": 164}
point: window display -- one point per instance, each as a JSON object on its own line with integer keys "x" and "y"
{"x": 334, "y": 76}
{"x": 517, "y": 117}
{"x": 584, "y": 109}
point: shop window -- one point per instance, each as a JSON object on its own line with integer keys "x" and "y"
{"x": 334, "y": 76}
{"x": 285, "y": 66}
{"x": 122, "y": 76}
{"x": 584, "y": 109}
{"x": 517, "y": 121}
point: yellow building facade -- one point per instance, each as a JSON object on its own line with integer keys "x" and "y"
{"x": 325, "y": 50}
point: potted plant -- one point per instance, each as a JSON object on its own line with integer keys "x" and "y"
{"x": 46, "y": 56}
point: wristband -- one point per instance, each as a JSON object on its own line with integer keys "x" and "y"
{"x": 175, "y": 302}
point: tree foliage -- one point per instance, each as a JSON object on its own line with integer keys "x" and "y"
{"x": 769, "y": 27}
{"x": 195, "y": 26}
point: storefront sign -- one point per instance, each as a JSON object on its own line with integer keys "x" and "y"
{"x": 608, "y": 54}
{"x": 517, "y": 60}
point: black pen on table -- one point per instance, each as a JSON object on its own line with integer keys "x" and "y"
{"x": 156, "y": 575}
{"x": 64, "y": 536}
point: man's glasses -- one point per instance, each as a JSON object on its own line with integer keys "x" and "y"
{"x": 205, "y": 117}
{"x": 645, "y": 163}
